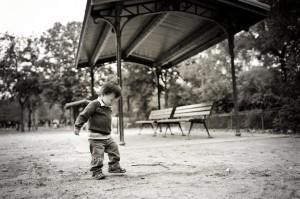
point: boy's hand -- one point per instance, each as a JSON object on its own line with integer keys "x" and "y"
{"x": 76, "y": 131}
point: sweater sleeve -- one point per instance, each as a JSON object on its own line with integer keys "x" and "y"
{"x": 84, "y": 116}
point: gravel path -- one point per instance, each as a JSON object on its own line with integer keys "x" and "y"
{"x": 55, "y": 164}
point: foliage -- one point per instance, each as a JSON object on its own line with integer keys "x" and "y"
{"x": 207, "y": 75}
{"x": 259, "y": 89}
{"x": 139, "y": 86}
{"x": 278, "y": 36}
{"x": 63, "y": 83}
{"x": 19, "y": 73}
{"x": 105, "y": 73}
{"x": 8, "y": 65}
{"x": 289, "y": 116}
{"x": 167, "y": 78}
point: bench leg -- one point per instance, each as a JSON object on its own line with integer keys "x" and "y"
{"x": 165, "y": 135}
{"x": 181, "y": 129}
{"x": 157, "y": 126}
{"x": 191, "y": 126}
{"x": 209, "y": 136}
{"x": 169, "y": 125}
{"x": 153, "y": 129}
{"x": 140, "y": 132}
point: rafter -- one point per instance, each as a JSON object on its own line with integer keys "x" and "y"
{"x": 144, "y": 33}
{"x": 139, "y": 60}
{"x": 100, "y": 43}
{"x": 215, "y": 39}
{"x": 156, "y": 7}
{"x": 188, "y": 43}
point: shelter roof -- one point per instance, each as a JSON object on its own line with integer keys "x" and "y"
{"x": 161, "y": 32}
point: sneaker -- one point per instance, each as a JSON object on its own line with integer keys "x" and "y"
{"x": 98, "y": 175}
{"x": 116, "y": 170}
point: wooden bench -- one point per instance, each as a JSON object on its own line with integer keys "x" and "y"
{"x": 195, "y": 113}
{"x": 155, "y": 116}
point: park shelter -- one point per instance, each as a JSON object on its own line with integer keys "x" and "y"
{"x": 162, "y": 33}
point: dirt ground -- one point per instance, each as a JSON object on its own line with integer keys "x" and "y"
{"x": 55, "y": 164}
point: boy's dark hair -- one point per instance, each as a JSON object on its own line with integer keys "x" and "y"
{"x": 109, "y": 88}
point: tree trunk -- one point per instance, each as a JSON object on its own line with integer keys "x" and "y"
{"x": 62, "y": 117}
{"x": 34, "y": 120}
{"x": 29, "y": 118}
{"x": 283, "y": 68}
{"x": 128, "y": 104}
{"x": 22, "y": 118}
{"x": 166, "y": 96}
{"x": 22, "y": 105}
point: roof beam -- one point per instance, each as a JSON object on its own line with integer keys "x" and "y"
{"x": 112, "y": 58}
{"x": 102, "y": 40}
{"x": 99, "y": 2}
{"x": 139, "y": 60}
{"x": 144, "y": 33}
{"x": 214, "y": 40}
{"x": 251, "y": 6}
{"x": 188, "y": 43}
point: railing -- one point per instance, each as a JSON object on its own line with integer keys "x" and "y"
{"x": 254, "y": 119}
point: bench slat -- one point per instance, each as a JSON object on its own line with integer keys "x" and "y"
{"x": 174, "y": 120}
{"x": 201, "y": 109}
{"x": 144, "y": 122}
{"x": 168, "y": 110}
{"x": 192, "y": 114}
{"x": 159, "y": 117}
{"x": 209, "y": 104}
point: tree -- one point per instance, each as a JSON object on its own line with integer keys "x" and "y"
{"x": 20, "y": 72}
{"x": 8, "y": 65}
{"x": 139, "y": 86}
{"x": 279, "y": 36}
{"x": 168, "y": 77}
{"x": 281, "y": 39}
{"x": 208, "y": 75}
{"x": 63, "y": 83}
{"x": 259, "y": 89}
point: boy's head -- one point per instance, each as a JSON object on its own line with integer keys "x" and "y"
{"x": 109, "y": 92}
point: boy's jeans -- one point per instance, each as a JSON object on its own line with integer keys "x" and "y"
{"x": 97, "y": 149}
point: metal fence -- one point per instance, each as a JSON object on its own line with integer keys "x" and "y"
{"x": 254, "y": 119}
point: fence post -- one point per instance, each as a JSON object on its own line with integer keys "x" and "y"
{"x": 262, "y": 120}
{"x": 231, "y": 122}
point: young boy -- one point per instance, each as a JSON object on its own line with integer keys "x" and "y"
{"x": 98, "y": 113}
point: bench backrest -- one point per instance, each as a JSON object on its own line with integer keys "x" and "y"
{"x": 161, "y": 114}
{"x": 194, "y": 110}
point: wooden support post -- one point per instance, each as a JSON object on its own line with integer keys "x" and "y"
{"x": 119, "y": 69}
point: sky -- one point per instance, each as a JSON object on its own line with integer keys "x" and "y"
{"x": 33, "y": 17}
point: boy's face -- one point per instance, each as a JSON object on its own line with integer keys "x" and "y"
{"x": 108, "y": 99}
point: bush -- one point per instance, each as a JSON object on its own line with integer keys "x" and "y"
{"x": 288, "y": 117}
